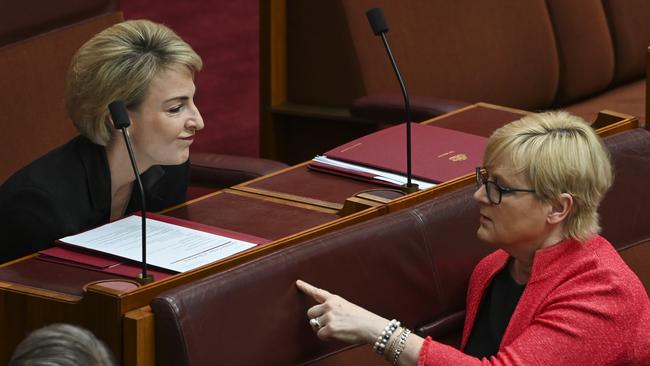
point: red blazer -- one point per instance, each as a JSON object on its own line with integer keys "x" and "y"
{"x": 582, "y": 306}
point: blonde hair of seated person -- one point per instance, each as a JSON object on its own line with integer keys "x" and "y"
{"x": 119, "y": 64}
{"x": 558, "y": 153}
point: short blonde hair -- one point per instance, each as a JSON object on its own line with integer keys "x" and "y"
{"x": 119, "y": 64}
{"x": 558, "y": 153}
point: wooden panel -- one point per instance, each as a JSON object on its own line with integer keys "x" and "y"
{"x": 33, "y": 83}
{"x": 273, "y": 69}
{"x": 24, "y": 309}
{"x": 139, "y": 338}
{"x": 647, "y": 90}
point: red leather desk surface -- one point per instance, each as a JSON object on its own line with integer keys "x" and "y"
{"x": 248, "y": 215}
{"x": 39, "y": 274}
{"x": 303, "y": 182}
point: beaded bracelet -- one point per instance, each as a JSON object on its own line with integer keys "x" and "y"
{"x": 401, "y": 345}
{"x": 380, "y": 344}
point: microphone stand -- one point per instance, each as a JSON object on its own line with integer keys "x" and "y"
{"x": 409, "y": 187}
{"x": 380, "y": 28}
{"x": 143, "y": 277}
{"x": 120, "y": 118}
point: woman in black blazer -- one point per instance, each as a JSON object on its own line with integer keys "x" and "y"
{"x": 89, "y": 181}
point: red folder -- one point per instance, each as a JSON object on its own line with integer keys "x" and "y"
{"x": 99, "y": 262}
{"x": 438, "y": 154}
{"x": 83, "y": 258}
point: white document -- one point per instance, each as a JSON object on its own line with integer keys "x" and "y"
{"x": 168, "y": 246}
{"x": 378, "y": 174}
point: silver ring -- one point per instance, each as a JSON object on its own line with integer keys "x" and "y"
{"x": 315, "y": 323}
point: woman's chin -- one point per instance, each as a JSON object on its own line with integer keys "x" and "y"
{"x": 484, "y": 235}
{"x": 175, "y": 160}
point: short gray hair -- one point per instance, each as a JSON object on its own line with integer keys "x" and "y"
{"x": 61, "y": 345}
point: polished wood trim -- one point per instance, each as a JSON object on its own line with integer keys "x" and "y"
{"x": 273, "y": 69}
{"x": 315, "y": 204}
{"x": 7, "y": 264}
{"x": 647, "y": 90}
{"x": 40, "y": 293}
{"x": 288, "y": 199}
{"x": 139, "y": 337}
{"x": 473, "y": 106}
{"x": 252, "y": 181}
{"x": 618, "y": 122}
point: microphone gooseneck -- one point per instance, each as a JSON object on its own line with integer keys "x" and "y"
{"x": 380, "y": 28}
{"x": 121, "y": 121}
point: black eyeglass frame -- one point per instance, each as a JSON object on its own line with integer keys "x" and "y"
{"x": 481, "y": 179}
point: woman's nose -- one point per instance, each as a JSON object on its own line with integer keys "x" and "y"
{"x": 195, "y": 122}
{"x": 480, "y": 195}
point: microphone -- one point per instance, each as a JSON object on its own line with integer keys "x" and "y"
{"x": 121, "y": 121}
{"x": 380, "y": 28}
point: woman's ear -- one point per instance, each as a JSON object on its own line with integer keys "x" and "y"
{"x": 560, "y": 208}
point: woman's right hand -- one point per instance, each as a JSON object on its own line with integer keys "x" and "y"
{"x": 340, "y": 319}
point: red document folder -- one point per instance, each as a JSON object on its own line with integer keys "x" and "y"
{"x": 438, "y": 154}
{"x": 80, "y": 257}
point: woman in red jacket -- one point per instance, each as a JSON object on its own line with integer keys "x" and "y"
{"x": 555, "y": 292}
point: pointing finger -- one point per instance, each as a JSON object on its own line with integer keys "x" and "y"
{"x": 316, "y": 293}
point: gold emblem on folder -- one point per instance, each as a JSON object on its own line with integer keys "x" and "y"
{"x": 458, "y": 157}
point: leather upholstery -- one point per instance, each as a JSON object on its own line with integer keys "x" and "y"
{"x": 27, "y": 18}
{"x": 412, "y": 265}
{"x": 581, "y": 33}
{"x": 630, "y": 32}
{"x": 532, "y": 55}
{"x": 390, "y": 107}
{"x": 33, "y": 76}
{"x": 220, "y": 170}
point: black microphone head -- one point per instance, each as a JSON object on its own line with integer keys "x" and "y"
{"x": 119, "y": 114}
{"x": 377, "y": 21}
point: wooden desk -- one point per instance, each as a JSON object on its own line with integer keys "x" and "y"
{"x": 287, "y": 207}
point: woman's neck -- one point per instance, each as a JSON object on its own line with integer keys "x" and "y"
{"x": 521, "y": 266}
{"x": 119, "y": 164}
{"x": 122, "y": 176}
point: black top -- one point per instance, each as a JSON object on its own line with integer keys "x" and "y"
{"x": 494, "y": 314}
{"x": 68, "y": 191}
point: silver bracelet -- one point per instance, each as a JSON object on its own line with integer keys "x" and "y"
{"x": 380, "y": 344}
{"x": 401, "y": 345}
{"x": 390, "y": 351}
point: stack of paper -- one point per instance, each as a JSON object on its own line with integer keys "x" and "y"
{"x": 323, "y": 163}
{"x": 172, "y": 245}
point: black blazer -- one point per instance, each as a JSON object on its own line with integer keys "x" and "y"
{"x": 68, "y": 191}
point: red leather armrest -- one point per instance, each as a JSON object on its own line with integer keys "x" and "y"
{"x": 389, "y": 108}
{"x": 218, "y": 170}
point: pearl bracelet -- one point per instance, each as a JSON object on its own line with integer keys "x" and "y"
{"x": 380, "y": 344}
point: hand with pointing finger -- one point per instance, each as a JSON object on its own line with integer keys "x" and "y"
{"x": 336, "y": 318}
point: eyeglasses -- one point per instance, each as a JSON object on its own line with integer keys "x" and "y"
{"x": 493, "y": 189}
